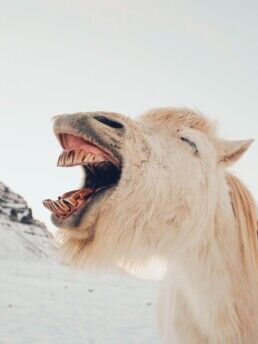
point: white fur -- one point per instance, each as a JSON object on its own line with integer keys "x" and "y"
{"x": 176, "y": 205}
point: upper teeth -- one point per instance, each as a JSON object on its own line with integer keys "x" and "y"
{"x": 73, "y": 158}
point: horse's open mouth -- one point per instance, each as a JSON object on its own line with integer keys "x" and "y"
{"x": 101, "y": 167}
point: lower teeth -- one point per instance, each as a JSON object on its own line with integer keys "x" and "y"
{"x": 65, "y": 206}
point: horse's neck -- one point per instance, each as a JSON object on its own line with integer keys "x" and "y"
{"x": 210, "y": 282}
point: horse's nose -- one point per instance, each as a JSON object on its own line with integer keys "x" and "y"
{"x": 110, "y": 122}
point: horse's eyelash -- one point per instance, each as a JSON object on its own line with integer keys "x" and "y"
{"x": 191, "y": 143}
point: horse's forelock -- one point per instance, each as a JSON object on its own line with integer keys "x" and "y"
{"x": 180, "y": 117}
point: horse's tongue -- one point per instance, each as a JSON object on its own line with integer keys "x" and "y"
{"x": 78, "y": 194}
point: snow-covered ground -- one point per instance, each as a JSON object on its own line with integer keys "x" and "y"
{"x": 42, "y": 301}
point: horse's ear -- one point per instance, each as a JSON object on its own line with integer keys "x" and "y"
{"x": 230, "y": 151}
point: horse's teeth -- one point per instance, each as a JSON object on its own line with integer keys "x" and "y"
{"x": 50, "y": 205}
{"x": 81, "y": 153}
{"x": 69, "y": 158}
{"x": 61, "y": 160}
{"x": 71, "y": 201}
{"x": 67, "y": 200}
{"x": 61, "y": 209}
{"x": 79, "y": 157}
{"x": 98, "y": 158}
{"x": 87, "y": 158}
{"x": 64, "y": 206}
{"x": 55, "y": 206}
{"x": 47, "y": 204}
{"x": 73, "y": 158}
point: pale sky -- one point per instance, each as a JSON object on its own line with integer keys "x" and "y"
{"x": 124, "y": 56}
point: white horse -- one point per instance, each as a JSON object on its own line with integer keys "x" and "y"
{"x": 158, "y": 187}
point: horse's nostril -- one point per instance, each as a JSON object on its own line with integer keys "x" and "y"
{"x": 109, "y": 122}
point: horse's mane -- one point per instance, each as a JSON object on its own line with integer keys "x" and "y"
{"x": 245, "y": 211}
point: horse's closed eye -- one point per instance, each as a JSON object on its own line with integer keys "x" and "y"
{"x": 191, "y": 144}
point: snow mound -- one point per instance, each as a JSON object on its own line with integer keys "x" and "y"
{"x": 45, "y": 302}
{"x": 21, "y": 236}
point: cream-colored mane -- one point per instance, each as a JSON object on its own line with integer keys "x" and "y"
{"x": 245, "y": 212}
{"x": 175, "y": 200}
